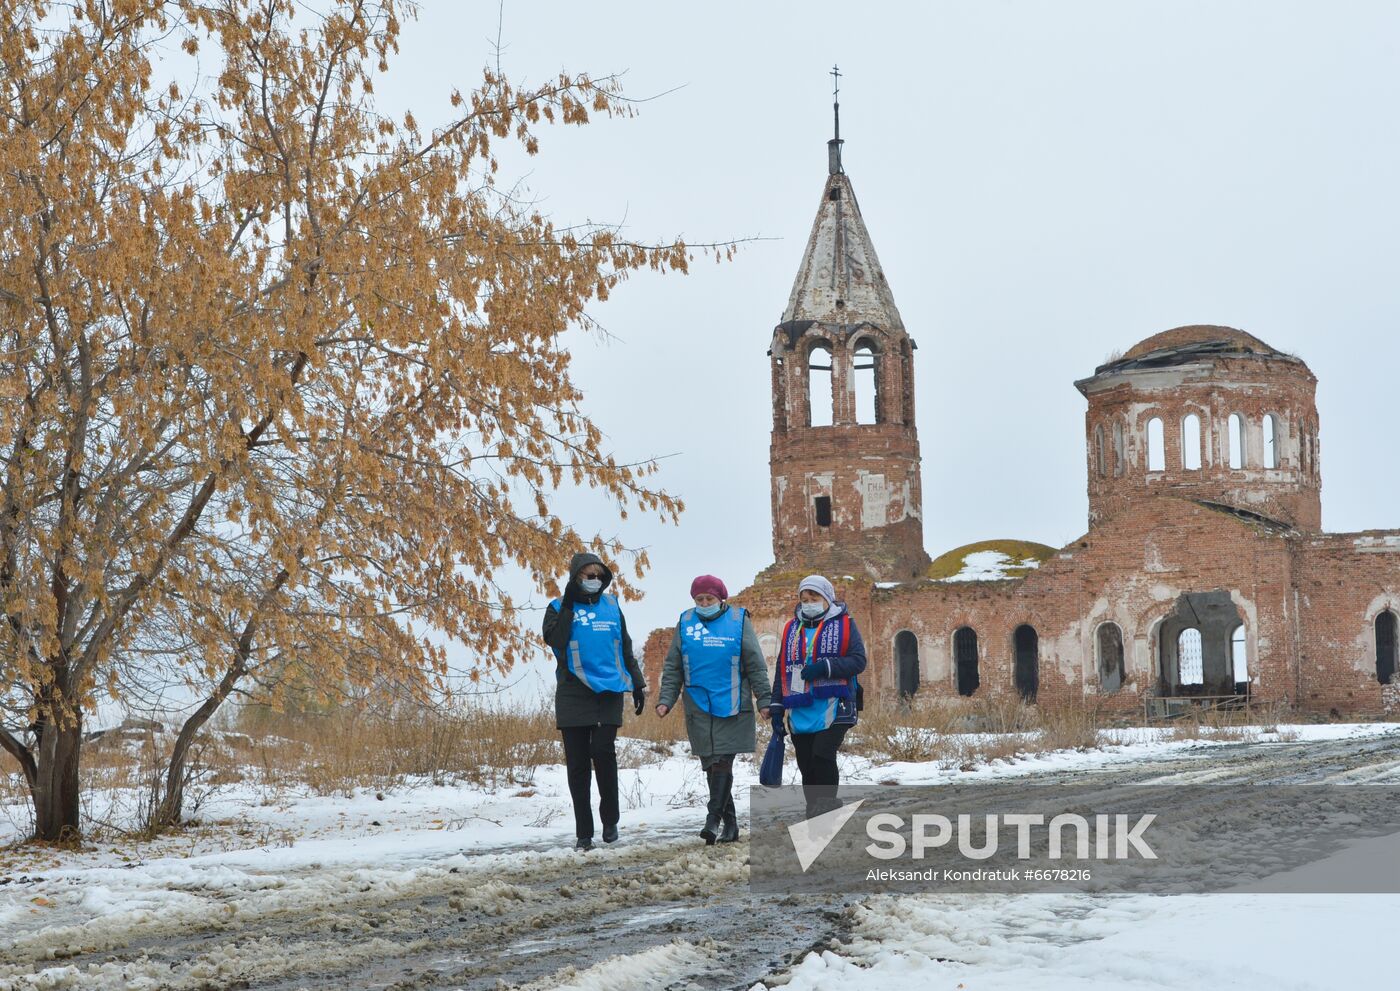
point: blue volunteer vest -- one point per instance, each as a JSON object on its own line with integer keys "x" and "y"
{"x": 710, "y": 656}
{"x": 595, "y": 645}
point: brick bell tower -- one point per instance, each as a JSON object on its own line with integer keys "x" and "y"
{"x": 845, "y": 454}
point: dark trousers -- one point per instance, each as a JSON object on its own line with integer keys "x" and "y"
{"x": 816, "y": 759}
{"x": 589, "y": 751}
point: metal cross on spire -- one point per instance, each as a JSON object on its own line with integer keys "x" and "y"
{"x": 833, "y": 147}
{"x": 836, "y": 98}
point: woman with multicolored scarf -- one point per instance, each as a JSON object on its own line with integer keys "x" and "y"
{"x": 816, "y": 689}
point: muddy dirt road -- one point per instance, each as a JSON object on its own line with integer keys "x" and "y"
{"x": 656, "y": 904}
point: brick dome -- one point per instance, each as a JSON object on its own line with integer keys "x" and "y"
{"x": 1194, "y": 335}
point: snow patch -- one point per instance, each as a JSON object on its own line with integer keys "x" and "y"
{"x": 990, "y": 566}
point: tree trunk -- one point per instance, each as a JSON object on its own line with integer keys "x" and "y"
{"x": 55, "y": 787}
{"x": 172, "y": 802}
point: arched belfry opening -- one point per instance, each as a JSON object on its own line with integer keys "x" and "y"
{"x": 865, "y": 379}
{"x": 821, "y": 394}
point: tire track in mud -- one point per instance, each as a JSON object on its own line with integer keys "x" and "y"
{"x": 655, "y": 913}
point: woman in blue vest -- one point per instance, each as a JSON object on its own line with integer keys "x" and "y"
{"x": 715, "y": 656}
{"x": 816, "y": 691}
{"x": 595, "y": 667}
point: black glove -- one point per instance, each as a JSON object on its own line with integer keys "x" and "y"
{"x": 639, "y": 700}
{"x": 775, "y": 713}
{"x": 572, "y": 593}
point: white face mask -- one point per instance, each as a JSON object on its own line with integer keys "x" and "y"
{"x": 811, "y": 610}
{"x": 591, "y": 586}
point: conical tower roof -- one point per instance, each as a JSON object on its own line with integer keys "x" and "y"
{"x": 840, "y": 280}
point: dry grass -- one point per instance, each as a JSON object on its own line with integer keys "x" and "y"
{"x": 336, "y": 752}
{"x": 653, "y": 730}
{"x": 1234, "y": 726}
{"x": 967, "y": 733}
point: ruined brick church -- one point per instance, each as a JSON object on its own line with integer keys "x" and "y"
{"x": 1204, "y": 573}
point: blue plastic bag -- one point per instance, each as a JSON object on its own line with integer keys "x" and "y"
{"x": 770, "y": 772}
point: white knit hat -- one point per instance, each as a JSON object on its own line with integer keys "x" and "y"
{"x": 818, "y": 584}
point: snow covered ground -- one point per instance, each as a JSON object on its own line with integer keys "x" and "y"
{"x": 280, "y": 872}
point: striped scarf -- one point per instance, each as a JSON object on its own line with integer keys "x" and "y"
{"x": 832, "y": 640}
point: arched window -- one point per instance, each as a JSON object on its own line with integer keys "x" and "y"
{"x": 906, "y": 662}
{"x": 1188, "y": 657}
{"x": 1270, "y": 441}
{"x": 1191, "y": 442}
{"x": 1239, "y": 657}
{"x": 1110, "y": 651}
{"x": 1385, "y": 647}
{"x": 1236, "y": 441}
{"x": 1099, "y": 467}
{"x": 1120, "y": 450}
{"x": 965, "y": 660}
{"x": 1156, "y": 445}
{"x": 867, "y": 383}
{"x": 1027, "y": 668}
{"x": 820, "y": 396}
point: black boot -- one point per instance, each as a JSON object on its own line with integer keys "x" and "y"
{"x": 714, "y": 808}
{"x": 730, "y": 832}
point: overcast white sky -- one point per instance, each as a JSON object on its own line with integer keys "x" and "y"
{"x": 1045, "y": 183}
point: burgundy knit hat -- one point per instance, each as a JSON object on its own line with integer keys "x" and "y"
{"x": 708, "y": 585}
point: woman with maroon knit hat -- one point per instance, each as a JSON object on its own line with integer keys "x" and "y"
{"x": 715, "y": 657}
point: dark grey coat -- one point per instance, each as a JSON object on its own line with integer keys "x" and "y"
{"x": 718, "y": 735}
{"x": 575, "y": 704}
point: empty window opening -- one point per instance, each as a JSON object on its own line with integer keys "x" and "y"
{"x": 1110, "y": 650}
{"x": 1120, "y": 450}
{"x": 906, "y": 662}
{"x": 1236, "y": 441}
{"x": 1385, "y": 647}
{"x": 1239, "y": 657}
{"x": 1195, "y": 645}
{"x": 1027, "y": 668}
{"x": 1099, "y": 467}
{"x": 1156, "y": 445}
{"x": 1270, "y": 441}
{"x": 1191, "y": 442}
{"x": 820, "y": 395}
{"x": 867, "y": 384}
{"x": 823, "y": 507}
{"x": 965, "y": 660}
{"x": 1189, "y": 657}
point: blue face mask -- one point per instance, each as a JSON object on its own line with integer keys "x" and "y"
{"x": 812, "y": 610}
{"x": 709, "y": 612}
{"x": 591, "y": 586}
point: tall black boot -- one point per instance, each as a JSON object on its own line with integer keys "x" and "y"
{"x": 714, "y": 808}
{"x": 730, "y": 832}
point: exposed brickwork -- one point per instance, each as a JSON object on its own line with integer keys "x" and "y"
{"x": 1211, "y": 386}
{"x": 865, "y": 474}
{"x": 1170, "y": 549}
